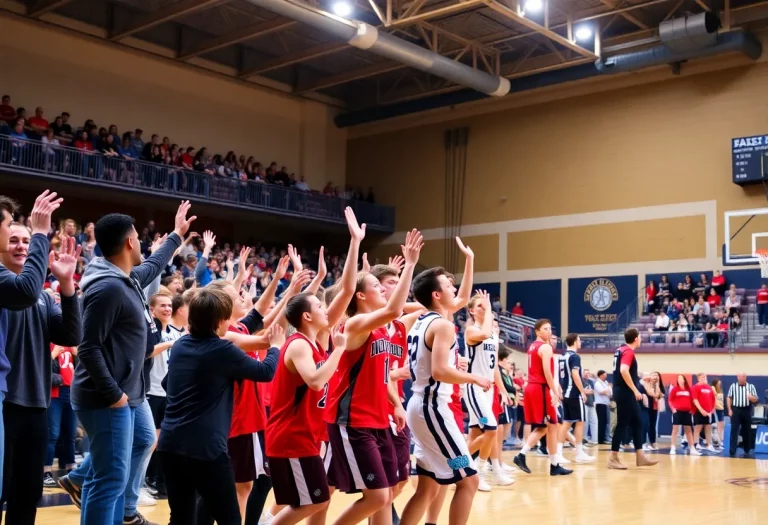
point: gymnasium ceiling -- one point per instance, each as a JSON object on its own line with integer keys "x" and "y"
{"x": 236, "y": 38}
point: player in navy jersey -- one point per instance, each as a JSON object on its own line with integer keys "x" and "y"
{"x": 574, "y": 397}
{"x": 627, "y": 395}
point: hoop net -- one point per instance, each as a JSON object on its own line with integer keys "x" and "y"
{"x": 762, "y": 256}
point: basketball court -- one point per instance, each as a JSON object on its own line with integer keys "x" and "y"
{"x": 681, "y": 489}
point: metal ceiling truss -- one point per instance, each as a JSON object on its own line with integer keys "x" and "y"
{"x": 164, "y": 14}
{"x": 42, "y": 7}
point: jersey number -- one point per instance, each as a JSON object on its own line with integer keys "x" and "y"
{"x": 493, "y": 361}
{"x": 386, "y": 370}
{"x": 321, "y": 403}
{"x": 615, "y": 360}
{"x": 562, "y": 368}
{"x": 66, "y": 357}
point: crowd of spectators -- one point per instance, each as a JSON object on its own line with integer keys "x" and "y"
{"x": 117, "y": 152}
{"x": 703, "y": 312}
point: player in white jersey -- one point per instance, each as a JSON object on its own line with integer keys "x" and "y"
{"x": 482, "y": 346}
{"x": 442, "y": 456}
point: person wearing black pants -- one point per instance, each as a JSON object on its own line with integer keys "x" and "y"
{"x": 193, "y": 437}
{"x": 30, "y": 334}
{"x": 627, "y": 397}
{"x": 741, "y": 397}
{"x": 602, "y": 423}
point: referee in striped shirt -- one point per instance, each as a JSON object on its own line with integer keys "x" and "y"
{"x": 741, "y": 397}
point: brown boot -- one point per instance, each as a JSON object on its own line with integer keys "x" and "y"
{"x": 645, "y": 461}
{"x": 615, "y": 464}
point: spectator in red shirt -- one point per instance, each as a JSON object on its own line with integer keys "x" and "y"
{"x": 681, "y": 406}
{"x": 7, "y": 113}
{"x": 38, "y": 123}
{"x": 718, "y": 282}
{"x": 61, "y": 418}
{"x": 713, "y": 299}
{"x": 518, "y": 309}
{"x": 650, "y": 296}
{"x": 187, "y": 158}
{"x": 703, "y": 397}
{"x": 762, "y": 306}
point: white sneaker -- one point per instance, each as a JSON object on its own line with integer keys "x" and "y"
{"x": 584, "y": 458}
{"x": 145, "y": 500}
{"x": 561, "y": 460}
{"x": 508, "y": 468}
{"x": 501, "y": 479}
{"x": 266, "y": 518}
{"x": 711, "y": 449}
{"x": 483, "y": 486}
{"x": 672, "y": 451}
{"x": 646, "y": 447}
{"x": 693, "y": 452}
{"x": 651, "y": 447}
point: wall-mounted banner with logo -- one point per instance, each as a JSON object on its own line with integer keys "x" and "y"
{"x": 595, "y": 302}
{"x": 761, "y": 439}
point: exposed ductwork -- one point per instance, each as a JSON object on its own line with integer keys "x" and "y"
{"x": 365, "y": 36}
{"x": 742, "y": 42}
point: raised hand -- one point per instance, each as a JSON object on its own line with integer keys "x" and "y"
{"x": 245, "y": 252}
{"x": 182, "y": 223}
{"x": 366, "y": 264}
{"x": 339, "y": 339}
{"x": 299, "y": 280}
{"x": 355, "y": 231}
{"x": 64, "y": 263}
{"x": 276, "y": 335}
{"x": 414, "y": 242}
{"x": 466, "y": 250}
{"x": 396, "y": 263}
{"x": 322, "y": 269}
{"x": 485, "y": 299}
{"x": 157, "y": 243}
{"x": 295, "y": 259}
{"x": 282, "y": 267}
{"x": 40, "y": 218}
{"x": 209, "y": 240}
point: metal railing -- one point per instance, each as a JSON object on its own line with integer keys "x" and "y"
{"x": 31, "y": 156}
{"x": 518, "y": 329}
{"x": 726, "y": 339}
{"x": 630, "y": 313}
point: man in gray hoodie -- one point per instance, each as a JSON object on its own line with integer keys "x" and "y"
{"x": 109, "y": 379}
{"x": 30, "y": 334}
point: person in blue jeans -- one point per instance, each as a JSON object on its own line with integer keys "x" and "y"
{"x": 109, "y": 389}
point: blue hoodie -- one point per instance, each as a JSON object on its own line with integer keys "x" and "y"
{"x": 115, "y": 323}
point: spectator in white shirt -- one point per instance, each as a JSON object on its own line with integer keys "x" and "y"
{"x": 302, "y": 184}
{"x": 603, "y": 393}
{"x": 732, "y": 303}
{"x": 701, "y": 308}
{"x": 50, "y": 145}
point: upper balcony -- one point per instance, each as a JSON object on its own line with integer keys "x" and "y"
{"x": 30, "y": 157}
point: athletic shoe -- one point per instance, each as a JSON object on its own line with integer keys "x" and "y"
{"x": 483, "y": 485}
{"x": 646, "y": 447}
{"x": 562, "y": 460}
{"x": 651, "y": 447}
{"x": 585, "y": 458}
{"x": 711, "y": 449}
{"x": 151, "y": 489}
{"x": 542, "y": 453}
{"x": 694, "y": 452}
{"x": 507, "y": 468}
{"x": 145, "y": 500}
{"x": 557, "y": 470}
{"x": 138, "y": 519}
{"x": 645, "y": 461}
{"x": 614, "y": 463}
{"x": 48, "y": 481}
{"x": 698, "y": 447}
{"x": 591, "y": 444}
{"x": 266, "y": 518}
{"x": 672, "y": 451}
{"x": 501, "y": 479}
{"x": 70, "y": 488}
{"x": 519, "y": 460}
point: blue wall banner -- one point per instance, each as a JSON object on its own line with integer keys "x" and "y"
{"x": 595, "y": 302}
{"x": 540, "y": 299}
{"x": 761, "y": 439}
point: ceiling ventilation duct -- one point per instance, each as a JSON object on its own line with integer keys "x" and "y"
{"x": 690, "y": 32}
{"x": 365, "y": 36}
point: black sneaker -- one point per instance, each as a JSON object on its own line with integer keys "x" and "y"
{"x": 557, "y": 470}
{"x": 70, "y": 488}
{"x": 48, "y": 481}
{"x": 137, "y": 519}
{"x": 519, "y": 460}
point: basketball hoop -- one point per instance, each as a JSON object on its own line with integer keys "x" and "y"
{"x": 762, "y": 256}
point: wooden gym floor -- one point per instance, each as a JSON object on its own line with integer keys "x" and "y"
{"x": 680, "y": 489}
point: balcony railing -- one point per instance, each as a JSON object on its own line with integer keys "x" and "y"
{"x": 30, "y": 156}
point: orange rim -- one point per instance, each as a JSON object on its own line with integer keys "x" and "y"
{"x": 761, "y": 253}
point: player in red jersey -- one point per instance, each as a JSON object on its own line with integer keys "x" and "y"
{"x": 298, "y": 397}
{"x": 363, "y": 455}
{"x": 542, "y": 397}
{"x": 703, "y": 398}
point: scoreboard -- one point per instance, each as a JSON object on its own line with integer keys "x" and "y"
{"x": 749, "y": 156}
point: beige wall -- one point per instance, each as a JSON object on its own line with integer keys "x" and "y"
{"x": 53, "y": 68}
